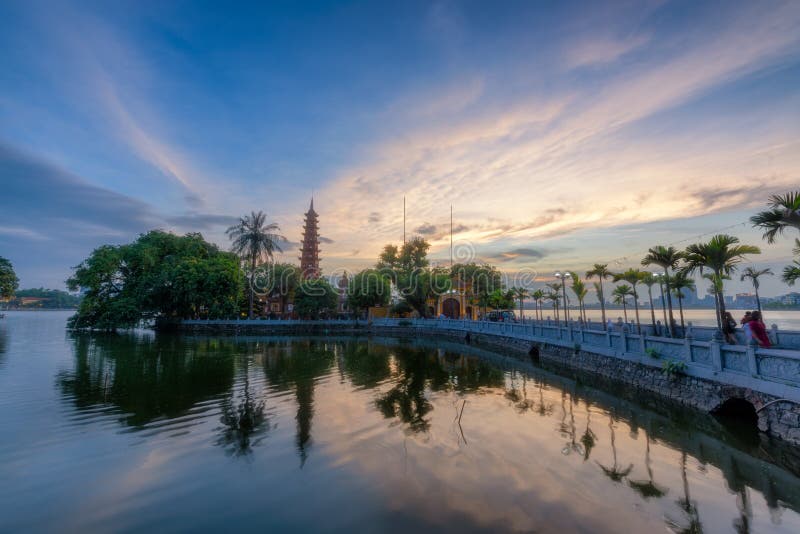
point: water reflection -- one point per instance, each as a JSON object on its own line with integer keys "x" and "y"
{"x": 518, "y": 416}
{"x": 147, "y": 377}
{"x": 298, "y": 369}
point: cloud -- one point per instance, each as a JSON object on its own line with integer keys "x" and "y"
{"x": 518, "y": 253}
{"x": 201, "y": 221}
{"x": 325, "y": 240}
{"x": 374, "y": 217}
{"x": 601, "y": 50}
{"x": 426, "y": 229}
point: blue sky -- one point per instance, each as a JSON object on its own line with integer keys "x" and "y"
{"x": 563, "y": 133}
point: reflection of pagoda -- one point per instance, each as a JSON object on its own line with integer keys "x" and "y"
{"x": 309, "y": 252}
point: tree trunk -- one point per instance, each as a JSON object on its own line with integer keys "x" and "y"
{"x": 671, "y": 325}
{"x": 636, "y": 307}
{"x": 252, "y": 291}
{"x": 652, "y": 308}
{"x": 758, "y": 304}
{"x": 602, "y": 303}
{"x": 680, "y": 307}
{"x": 625, "y": 311}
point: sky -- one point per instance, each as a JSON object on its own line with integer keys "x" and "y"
{"x": 561, "y": 133}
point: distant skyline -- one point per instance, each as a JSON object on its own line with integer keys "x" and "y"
{"x": 563, "y": 134}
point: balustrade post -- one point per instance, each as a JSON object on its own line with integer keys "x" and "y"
{"x": 752, "y": 361}
{"x": 716, "y": 355}
{"x": 687, "y": 348}
{"x": 623, "y": 337}
{"x": 774, "y": 335}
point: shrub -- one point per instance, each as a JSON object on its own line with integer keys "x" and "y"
{"x": 672, "y": 369}
{"x": 650, "y": 351}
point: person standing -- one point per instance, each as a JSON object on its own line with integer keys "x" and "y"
{"x": 729, "y": 328}
{"x": 759, "y": 330}
{"x": 748, "y": 335}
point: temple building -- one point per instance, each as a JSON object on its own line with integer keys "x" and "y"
{"x": 309, "y": 251}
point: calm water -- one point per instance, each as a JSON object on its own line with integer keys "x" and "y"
{"x": 785, "y": 319}
{"x": 142, "y": 432}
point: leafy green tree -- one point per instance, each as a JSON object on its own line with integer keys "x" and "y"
{"x": 159, "y": 275}
{"x": 278, "y": 281}
{"x": 754, "y": 274}
{"x": 554, "y": 298}
{"x": 600, "y": 270}
{"x": 621, "y": 294}
{"x": 667, "y": 258}
{"x": 538, "y": 297}
{"x": 478, "y": 280}
{"x": 720, "y": 255}
{"x": 408, "y": 268}
{"x": 579, "y": 288}
{"x": 315, "y": 297}
{"x": 791, "y": 273}
{"x": 368, "y": 288}
{"x": 8, "y": 279}
{"x": 254, "y": 240}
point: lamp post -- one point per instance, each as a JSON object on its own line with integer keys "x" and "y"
{"x": 660, "y": 278}
{"x": 563, "y": 277}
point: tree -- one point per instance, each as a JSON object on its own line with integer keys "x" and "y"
{"x": 667, "y": 258}
{"x": 754, "y": 274}
{"x": 521, "y": 293}
{"x": 680, "y": 282}
{"x": 791, "y": 273}
{"x": 579, "y": 288}
{"x": 600, "y": 270}
{"x": 555, "y": 289}
{"x": 720, "y": 255}
{"x": 478, "y": 281}
{"x": 8, "y": 279}
{"x": 408, "y": 268}
{"x": 537, "y": 297}
{"x": 254, "y": 240}
{"x": 633, "y": 277}
{"x": 554, "y": 297}
{"x": 315, "y": 297}
{"x": 621, "y": 293}
{"x": 158, "y": 275}
{"x": 649, "y": 280}
{"x": 368, "y": 288}
{"x": 280, "y": 281}
{"x": 784, "y": 213}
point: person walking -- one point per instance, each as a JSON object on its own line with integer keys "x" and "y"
{"x": 759, "y": 330}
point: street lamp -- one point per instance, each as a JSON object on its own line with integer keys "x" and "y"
{"x": 563, "y": 277}
{"x": 660, "y": 278}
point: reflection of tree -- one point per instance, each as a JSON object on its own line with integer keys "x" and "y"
{"x": 614, "y": 472}
{"x": 147, "y": 377}
{"x": 689, "y": 508}
{"x": 244, "y": 422}
{"x": 366, "y": 365}
{"x": 299, "y": 369}
{"x": 572, "y": 445}
{"x": 543, "y": 408}
{"x": 418, "y": 369}
{"x": 742, "y": 523}
{"x": 647, "y": 488}
{"x": 589, "y": 439}
{"x": 3, "y": 343}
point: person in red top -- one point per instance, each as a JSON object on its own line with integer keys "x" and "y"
{"x": 759, "y": 330}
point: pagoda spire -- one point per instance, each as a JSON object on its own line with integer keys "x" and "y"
{"x": 309, "y": 251}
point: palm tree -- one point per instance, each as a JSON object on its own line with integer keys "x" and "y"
{"x": 633, "y": 277}
{"x": 682, "y": 281}
{"x": 537, "y": 297}
{"x": 649, "y": 280}
{"x": 784, "y": 214}
{"x": 667, "y": 258}
{"x": 254, "y": 240}
{"x": 791, "y": 273}
{"x": 720, "y": 255}
{"x": 754, "y": 275}
{"x": 555, "y": 298}
{"x": 521, "y": 293}
{"x": 620, "y": 294}
{"x": 579, "y": 288}
{"x": 600, "y": 270}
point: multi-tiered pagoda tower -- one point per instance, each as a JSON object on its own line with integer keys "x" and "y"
{"x": 309, "y": 252}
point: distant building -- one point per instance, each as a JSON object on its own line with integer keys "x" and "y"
{"x": 309, "y": 251}
{"x": 792, "y": 299}
{"x": 745, "y": 300}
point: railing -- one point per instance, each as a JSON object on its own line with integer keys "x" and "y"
{"x": 775, "y": 371}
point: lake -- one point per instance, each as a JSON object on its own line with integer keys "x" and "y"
{"x": 141, "y": 432}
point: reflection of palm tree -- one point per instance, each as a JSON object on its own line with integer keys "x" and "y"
{"x": 589, "y": 439}
{"x": 647, "y": 488}
{"x": 524, "y": 404}
{"x": 243, "y": 422}
{"x": 572, "y": 445}
{"x": 689, "y": 508}
{"x": 614, "y": 472}
{"x": 300, "y": 369}
{"x": 543, "y": 409}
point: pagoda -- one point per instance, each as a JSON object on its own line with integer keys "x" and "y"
{"x": 309, "y": 251}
